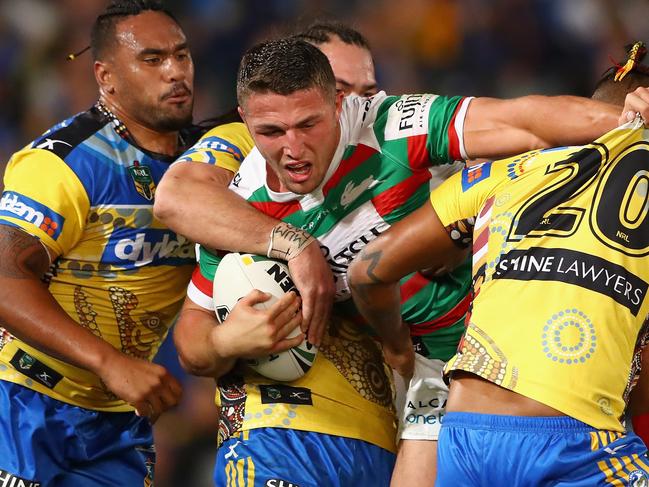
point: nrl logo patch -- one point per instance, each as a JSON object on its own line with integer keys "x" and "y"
{"x": 143, "y": 180}
{"x": 26, "y": 361}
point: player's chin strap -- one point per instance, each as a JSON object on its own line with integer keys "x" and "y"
{"x": 287, "y": 242}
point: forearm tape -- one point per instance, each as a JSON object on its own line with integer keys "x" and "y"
{"x": 287, "y": 242}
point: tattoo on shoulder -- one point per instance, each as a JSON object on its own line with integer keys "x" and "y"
{"x": 22, "y": 256}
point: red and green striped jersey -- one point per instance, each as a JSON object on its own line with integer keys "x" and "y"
{"x": 392, "y": 151}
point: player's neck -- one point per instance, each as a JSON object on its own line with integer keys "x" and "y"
{"x": 165, "y": 143}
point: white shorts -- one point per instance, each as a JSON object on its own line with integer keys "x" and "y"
{"x": 421, "y": 408}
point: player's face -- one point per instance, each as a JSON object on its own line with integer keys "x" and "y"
{"x": 353, "y": 67}
{"x": 297, "y": 134}
{"x": 152, "y": 71}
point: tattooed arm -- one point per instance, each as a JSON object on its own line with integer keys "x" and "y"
{"x": 30, "y": 312}
{"x": 418, "y": 241}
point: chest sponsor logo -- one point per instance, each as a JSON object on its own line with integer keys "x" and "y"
{"x": 143, "y": 180}
{"x": 279, "y": 393}
{"x": 578, "y": 268}
{"x": 9, "y": 480}
{"x": 16, "y": 205}
{"x": 408, "y": 116}
{"x": 339, "y": 258}
{"x": 352, "y": 192}
{"x": 157, "y": 247}
{"x": 474, "y": 174}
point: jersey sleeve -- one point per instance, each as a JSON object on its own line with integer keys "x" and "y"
{"x": 44, "y": 197}
{"x": 422, "y": 130}
{"x": 464, "y": 200}
{"x": 202, "y": 282}
{"x": 225, "y": 146}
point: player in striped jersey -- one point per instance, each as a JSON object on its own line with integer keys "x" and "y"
{"x": 558, "y": 318}
{"x": 224, "y": 147}
{"x": 90, "y": 281}
{"x": 369, "y": 171}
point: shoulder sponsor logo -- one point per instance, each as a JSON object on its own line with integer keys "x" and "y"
{"x": 408, "y": 116}
{"x": 157, "y": 247}
{"x": 474, "y": 174}
{"x": 16, "y": 205}
{"x": 10, "y": 480}
{"x": 218, "y": 144}
{"x": 48, "y": 144}
{"x": 352, "y": 192}
{"x": 578, "y": 268}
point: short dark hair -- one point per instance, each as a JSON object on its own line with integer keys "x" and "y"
{"x": 637, "y": 74}
{"x": 284, "y": 66}
{"x": 102, "y": 34}
{"x": 321, "y": 31}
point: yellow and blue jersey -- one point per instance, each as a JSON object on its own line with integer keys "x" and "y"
{"x": 225, "y": 146}
{"x": 87, "y": 193}
{"x": 560, "y": 239}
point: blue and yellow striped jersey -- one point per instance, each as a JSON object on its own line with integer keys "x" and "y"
{"x": 87, "y": 193}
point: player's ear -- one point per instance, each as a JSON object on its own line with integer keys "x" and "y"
{"x": 241, "y": 113}
{"x": 103, "y": 75}
{"x": 340, "y": 96}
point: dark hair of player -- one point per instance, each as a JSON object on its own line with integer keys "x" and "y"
{"x": 321, "y": 32}
{"x": 102, "y": 35}
{"x": 284, "y": 66}
{"x": 624, "y": 77}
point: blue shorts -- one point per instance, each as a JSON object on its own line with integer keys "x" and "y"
{"x": 489, "y": 450}
{"x": 54, "y": 444}
{"x": 277, "y": 457}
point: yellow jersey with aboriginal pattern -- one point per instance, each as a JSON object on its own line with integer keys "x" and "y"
{"x": 85, "y": 190}
{"x": 560, "y": 241}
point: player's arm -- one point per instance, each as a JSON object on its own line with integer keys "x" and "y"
{"x": 419, "y": 241}
{"x": 192, "y": 192}
{"x": 638, "y": 407}
{"x": 30, "y": 312}
{"x": 208, "y": 348}
{"x": 496, "y": 127}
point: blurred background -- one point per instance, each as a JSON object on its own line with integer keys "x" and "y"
{"x": 498, "y": 48}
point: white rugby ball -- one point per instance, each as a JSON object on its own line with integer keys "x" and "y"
{"x": 235, "y": 277}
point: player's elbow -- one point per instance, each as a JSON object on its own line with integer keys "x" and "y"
{"x": 353, "y": 274}
{"x": 164, "y": 208}
{"x": 193, "y": 366}
{"x": 192, "y": 362}
{"x": 357, "y": 278}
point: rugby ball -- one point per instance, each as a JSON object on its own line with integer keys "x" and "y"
{"x": 235, "y": 277}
